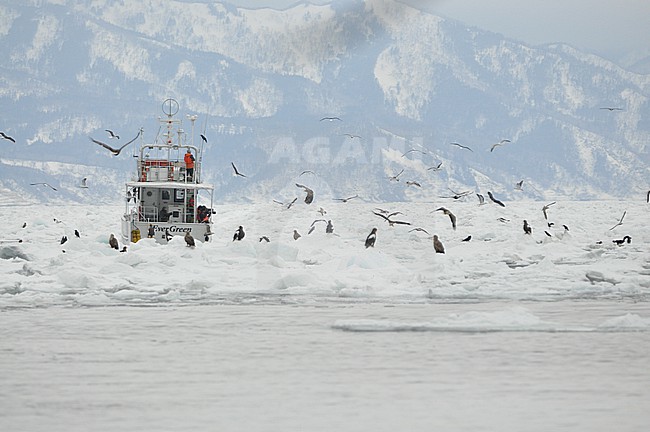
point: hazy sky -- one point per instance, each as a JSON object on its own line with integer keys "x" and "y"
{"x": 611, "y": 28}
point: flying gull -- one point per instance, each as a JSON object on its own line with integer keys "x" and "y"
{"x": 414, "y": 150}
{"x": 389, "y": 220}
{"x": 435, "y": 168}
{"x": 352, "y": 136}
{"x": 396, "y": 176}
{"x": 500, "y": 143}
{"x": 413, "y": 183}
{"x": 310, "y": 193}
{"x": 331, "y": 118}
{"x": 236, "y": 171}
{"x": 419, "y": 229}
{"x": 495, "y": 200}
{"x": 114, "y": 150}
{"x": 44, "y": 184}
{"x": 461, "y": 146}
{"x": 84, "y": 183}
{"x": 452, "y": 217}
{"x": 620, "y": 222}
{"x": 481, "y": 199}
{"x": 612, "y": 108}
{"x": 7, "y": 137}
{"x": 112, "y": 135}
{"x": 545, "y": 208}
{"x": 519, "y": 186}
{"x": 205, "y": 140}
{"x": 346, "y": 199}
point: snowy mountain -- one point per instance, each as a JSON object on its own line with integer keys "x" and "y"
{"x": 260, "y": 81}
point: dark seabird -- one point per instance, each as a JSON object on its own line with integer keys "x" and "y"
{"x": 612, "y": 108}
{"x": 466, "y": 239}
{"x": 527, "y": 228}
{"x": 435, "y": 168}
{"x": 239, "y": 234}
{"x": 620, "y": 222}
{"x": 296, "y": 235}
{"x": 64, "y": 239}
{"x": 265, "y": 238}
{"x": 189, "y": 239}
{"x": 84, "y": 184}
{"x": 372, "y": 237}
{"x": 331, "y": 118}
{"x": 437, "y": 245}
{"x": 566, "y": 228}
{"x": 413, "y": 183}
{"x": 547, "y": 233}
{"x": 647, "y": 197}
{"x": 292, "y": 203}
{"x": 452, "y": 217}
{"x": 321, "y": 211}
{"x": 329, "y": 229}
{"x": 205, "y": 140}
{"x": 495, "y": 200}
{"x": 236, "y": 171}
{"x": 7, "y": 137}
{"x": 546, "y": 208}
{"x": 114, "y": 150}
{"x": 76, "y": 233}
{"x": 346, "y": 199}
{"x": 44, "y": 184}
{"x": 123, "y": 249}
{"x": 112, "y": 242}
{"x": 151, "y": 231}
{"x": 310, "y": 193}
{"x": 25, "y": 225}
{"x": 626, "y": 239}
{"x": 461, "y": 146}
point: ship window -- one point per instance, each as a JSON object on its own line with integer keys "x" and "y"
{"x": 165, "y": 195}
{"x": 179, "y": 195}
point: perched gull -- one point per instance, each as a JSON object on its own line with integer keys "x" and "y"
{"x": 452, "y": 217}
{"x": 114, "y": 150}
{"x": 310, "y": 193}
{"x": 236, "y": 171}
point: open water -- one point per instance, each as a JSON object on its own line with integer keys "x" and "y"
{"x": 271, "y": 365}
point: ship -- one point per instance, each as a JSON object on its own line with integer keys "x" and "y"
{"x": 167, "y": 197}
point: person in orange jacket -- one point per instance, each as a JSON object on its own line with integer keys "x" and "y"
{"x": 189, "y": 164}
